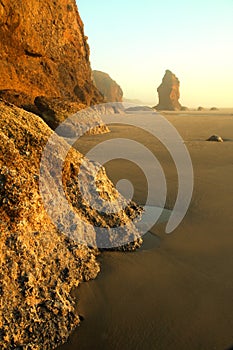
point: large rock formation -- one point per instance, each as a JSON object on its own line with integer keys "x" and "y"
{"x": 111, "y": 91}
{"x": 169, "y": 93}
{"x": 44, "y": 52}
{"x": 39, "y": 263}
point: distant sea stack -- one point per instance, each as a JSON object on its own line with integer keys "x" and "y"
{"x": 169, "y": 93}
{"x": 44, "y": 52}
{"x": 111, "y": 91}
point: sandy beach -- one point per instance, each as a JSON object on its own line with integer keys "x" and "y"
{"x": 116, "y": 168}
{"x": 176, "y": 291}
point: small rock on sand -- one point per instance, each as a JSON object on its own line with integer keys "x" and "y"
{"x": 215, "y": 138}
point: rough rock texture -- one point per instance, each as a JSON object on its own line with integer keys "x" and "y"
{"x": 44, "y": 51}
{"x": 54, "y": 111}
{"x": 111, "y": 91}
{"x": 169, "y": 93}
{"x": 39, "y": 263}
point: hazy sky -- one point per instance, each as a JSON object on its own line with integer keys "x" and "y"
{"x": 136, "y": 41}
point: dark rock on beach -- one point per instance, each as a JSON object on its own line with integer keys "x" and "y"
{"x": 215, "y": 138}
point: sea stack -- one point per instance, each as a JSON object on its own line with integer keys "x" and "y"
{"x": 111, "y": 91}
{"x": 169, "y": 93}
{"x": 44, "y": 52}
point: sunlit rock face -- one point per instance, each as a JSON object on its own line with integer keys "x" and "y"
{"x": 41, "y": 262}
{"x": 169, "y": 93}
{"x": 44, "y": 52}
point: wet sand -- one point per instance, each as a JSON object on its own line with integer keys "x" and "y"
{"x": 176, "y": 292}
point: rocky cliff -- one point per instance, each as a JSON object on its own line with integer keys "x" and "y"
{"x": 111, "y": 91}
{"x": 169, "y": 93}
{"x": 39, "y": 262}
{"x": 44, "y": 52}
